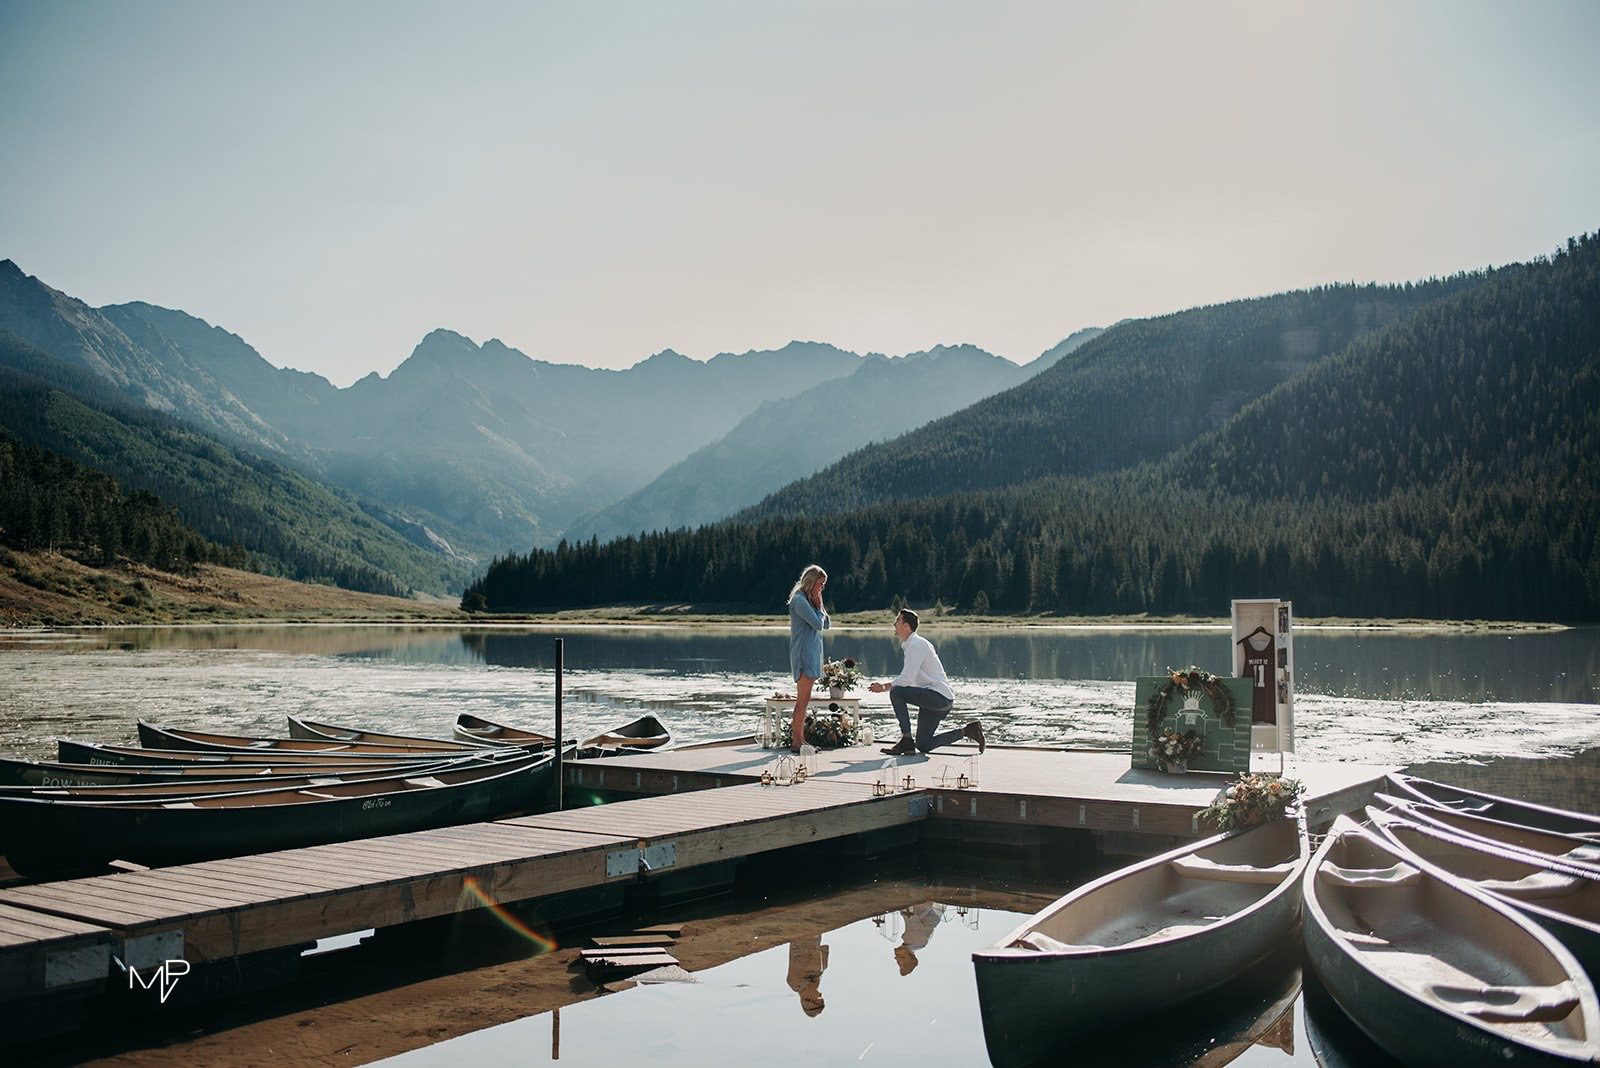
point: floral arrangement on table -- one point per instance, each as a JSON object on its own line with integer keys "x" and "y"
{"x": 1190, "y": 678}
{"x": 841, "y": 675}
{"x": 1253, "y": 799}
{"x": 1170, "y": 747}
{"x": 831, "y": 729}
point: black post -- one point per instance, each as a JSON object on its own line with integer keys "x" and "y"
{"x": 561, "y": 773}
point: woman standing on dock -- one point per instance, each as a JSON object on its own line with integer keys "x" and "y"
{"x": 807, "y": 621}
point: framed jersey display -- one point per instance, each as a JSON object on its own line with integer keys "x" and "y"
{"x": 1263, "y": 654}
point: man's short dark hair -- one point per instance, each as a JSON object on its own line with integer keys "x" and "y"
{"x": 910, "y": 617}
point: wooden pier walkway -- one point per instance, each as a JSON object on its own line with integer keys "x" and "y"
{"x": 691, "y": 807}
{"x": 1090, "y": 789}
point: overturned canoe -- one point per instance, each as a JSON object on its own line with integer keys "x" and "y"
{"x": 471, "y": 728}
{"x": 207, "y": 786}
{"x": 1564, "y": 848}
{"x": 312, "y": 730}
{"x": 44, "y": 836}
{"x": 40, "y": 773}
{"x": 1437, "y": 973}
{"x": 1494, "y": 807}
{"x": 1139, "y": 940}
{"x": 155, "y": 737}
{"x": 69, "y": 751}
{"x": 639, "y": 736}
{"x": 1563, "y": 899}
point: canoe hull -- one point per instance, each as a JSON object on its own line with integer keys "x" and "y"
{"x": 1036, "y": 1006}
{"x": 42, "y": 837}
{"x": 1408, "y": 1026}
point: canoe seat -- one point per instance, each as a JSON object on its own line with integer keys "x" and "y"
{"x": 1587, "y": 854}
{"x": 423, "y": 780}
{"x": 1539, "y": 884}
{"x": 1192, "y": 867}
{"x": 1365, "y": 878}
{"x": 179, "y": 804}
{"x": 1590, "y": 836}
{"x": 1510, "y": 1004}
{"x": 325, "y": 797}
{"x": 1472, "y": 808}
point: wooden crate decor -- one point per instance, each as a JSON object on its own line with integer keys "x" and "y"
{"x": 1227, "y": 747}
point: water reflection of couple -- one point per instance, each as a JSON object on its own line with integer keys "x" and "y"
{"x": 921, "y": 682}
{"x": 808, "y": 959}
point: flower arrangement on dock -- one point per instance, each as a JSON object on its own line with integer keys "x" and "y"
{"x": 841, "y": 675}
{"x": 1170, "y": 748}
{"x": 832, "y": 729}
{"x": 1189, "y": 678}
{"x": 1252, "y": 799}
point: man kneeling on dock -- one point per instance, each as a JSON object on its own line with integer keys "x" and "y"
{"x": 922, "y": 682}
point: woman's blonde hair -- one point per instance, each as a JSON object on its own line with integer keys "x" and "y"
{"x": 808, "y": 580}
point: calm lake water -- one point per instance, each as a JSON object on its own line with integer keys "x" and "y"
{"x": 1362, "y": 695}
{"x": 846, "y": 987}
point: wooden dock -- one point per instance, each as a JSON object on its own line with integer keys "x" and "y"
{"x": 690, "y": 808}
{"x": 1095, "y": 789}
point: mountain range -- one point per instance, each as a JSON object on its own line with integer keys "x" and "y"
{"x": 1429, "y": 449}
{"x": 465, "y": 450}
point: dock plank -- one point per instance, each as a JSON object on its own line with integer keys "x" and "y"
{"x": 42, "y": 954}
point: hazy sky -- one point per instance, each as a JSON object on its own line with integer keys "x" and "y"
{"x": 593, "y": 182}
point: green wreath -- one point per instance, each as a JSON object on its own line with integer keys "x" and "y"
{"x": 1191, "y": 677}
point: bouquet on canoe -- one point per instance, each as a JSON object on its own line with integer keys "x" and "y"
{"x": 1254, "y": 799}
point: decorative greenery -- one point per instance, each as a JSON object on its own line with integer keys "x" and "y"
{"x": 825, "y": 730}
{"x": 841, "y": 673}
{"x": 1170, "y": 747}
{"x": 1189, "y": 678}
{"x": 1252, "y": 799}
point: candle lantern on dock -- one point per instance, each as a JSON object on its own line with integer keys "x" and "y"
{"x": 784, "y": 775}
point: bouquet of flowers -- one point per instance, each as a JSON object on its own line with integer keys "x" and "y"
{"x": 828, "y": 730}
{"x": 1170, "y": 747}
{"x": 1252, "y": 799}
{"x": 841, "y": 675}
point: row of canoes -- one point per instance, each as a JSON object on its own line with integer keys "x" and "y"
{"x": 1453, "y": 927}
{"x": 185, "y": 795}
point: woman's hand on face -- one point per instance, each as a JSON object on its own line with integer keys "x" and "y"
{"x": 815, "y": 596}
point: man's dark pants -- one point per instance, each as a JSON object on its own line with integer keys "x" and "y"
{"x": 931, "y": 708}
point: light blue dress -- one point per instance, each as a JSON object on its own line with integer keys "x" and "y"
{"x": 806, "y": 625}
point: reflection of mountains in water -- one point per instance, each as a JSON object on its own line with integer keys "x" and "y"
{"x": 1383, "y": 665}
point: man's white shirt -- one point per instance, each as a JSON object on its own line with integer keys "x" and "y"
{"x": 923, "y": 669}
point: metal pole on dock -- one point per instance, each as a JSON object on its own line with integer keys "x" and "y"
{"x": 561, "y": 737}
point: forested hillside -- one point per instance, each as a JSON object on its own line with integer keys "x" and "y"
{"x": 1444, "y": 466}
{"x": 1131, "y": 395}
{"x": 48, "y": 502}
{"x": 289, "y": 524}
